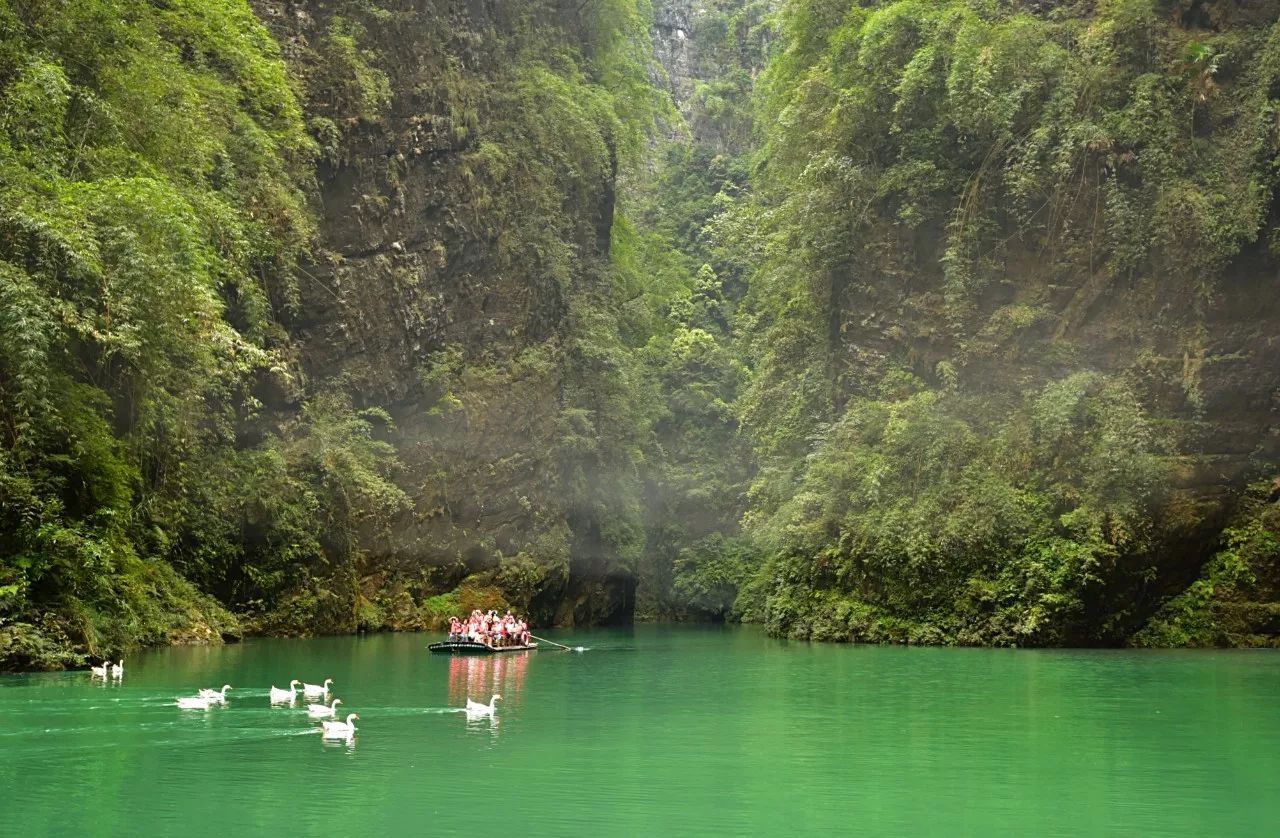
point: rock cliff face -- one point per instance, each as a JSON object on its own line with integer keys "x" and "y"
{"x": 467, "y": 205}
{"x": 710, "y": 52}
{"x": 675, "y": 49}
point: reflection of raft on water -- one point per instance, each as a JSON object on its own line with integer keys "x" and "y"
{"x": 472, "y": 647}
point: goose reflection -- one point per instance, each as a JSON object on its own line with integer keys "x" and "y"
{"x": 480, "y": 724}
{"x": 345, "y": 743}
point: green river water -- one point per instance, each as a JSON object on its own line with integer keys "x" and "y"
{"x": 653, "y": 731}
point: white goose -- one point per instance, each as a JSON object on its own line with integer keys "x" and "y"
{"x": 118, "y": 672}
{"x": 475, "y": 708}
{"x": 193, "y": 702}
{"x": 216, "y": 696}
{"x": 319, "y": 711}
{"x": 316, "y": 690}
{"x": 340, "y": 730}
{"x": 100, "y": 671}
{"x": 279, "y": 695}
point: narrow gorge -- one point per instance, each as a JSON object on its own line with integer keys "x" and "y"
{"x": 922, "y": 322}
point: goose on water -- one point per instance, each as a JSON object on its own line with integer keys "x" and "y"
{"x": 118, "y": 672}
{"x": 319, "y": 711}
{"x": 194, "y": 702}
{"x": 316, "y": 690}
{"x": 475, "y": 708}
{"x": 215, "y": 695}
{"x": 100, "y": 671}
{"x": 279, "y": 695}
{"x": 340, "y": 730}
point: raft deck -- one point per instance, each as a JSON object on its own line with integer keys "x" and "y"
{"x": 470, "y": 647}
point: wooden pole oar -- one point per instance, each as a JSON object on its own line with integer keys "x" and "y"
{"x": 553, "y": 643}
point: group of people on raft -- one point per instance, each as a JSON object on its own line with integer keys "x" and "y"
{"x": 488, "y": 628}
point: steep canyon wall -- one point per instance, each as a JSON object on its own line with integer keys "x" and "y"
{"x": 465, "y": 234}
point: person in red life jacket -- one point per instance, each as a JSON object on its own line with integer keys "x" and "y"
{"x": 490, "y": 629}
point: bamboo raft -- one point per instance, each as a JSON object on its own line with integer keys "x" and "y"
{"x": 471, "y": 647}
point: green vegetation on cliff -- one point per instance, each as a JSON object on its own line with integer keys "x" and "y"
{"x": 1236, "y": 600}
{"x": 152, "y": 166}
{"x": 692, "y": 266}
{"x": 176, "y": 442}
{"x": 1001, "y": 235}
{"x": 150, "y": 169}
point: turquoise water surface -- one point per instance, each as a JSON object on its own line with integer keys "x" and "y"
{"x": 653, "y": 731}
